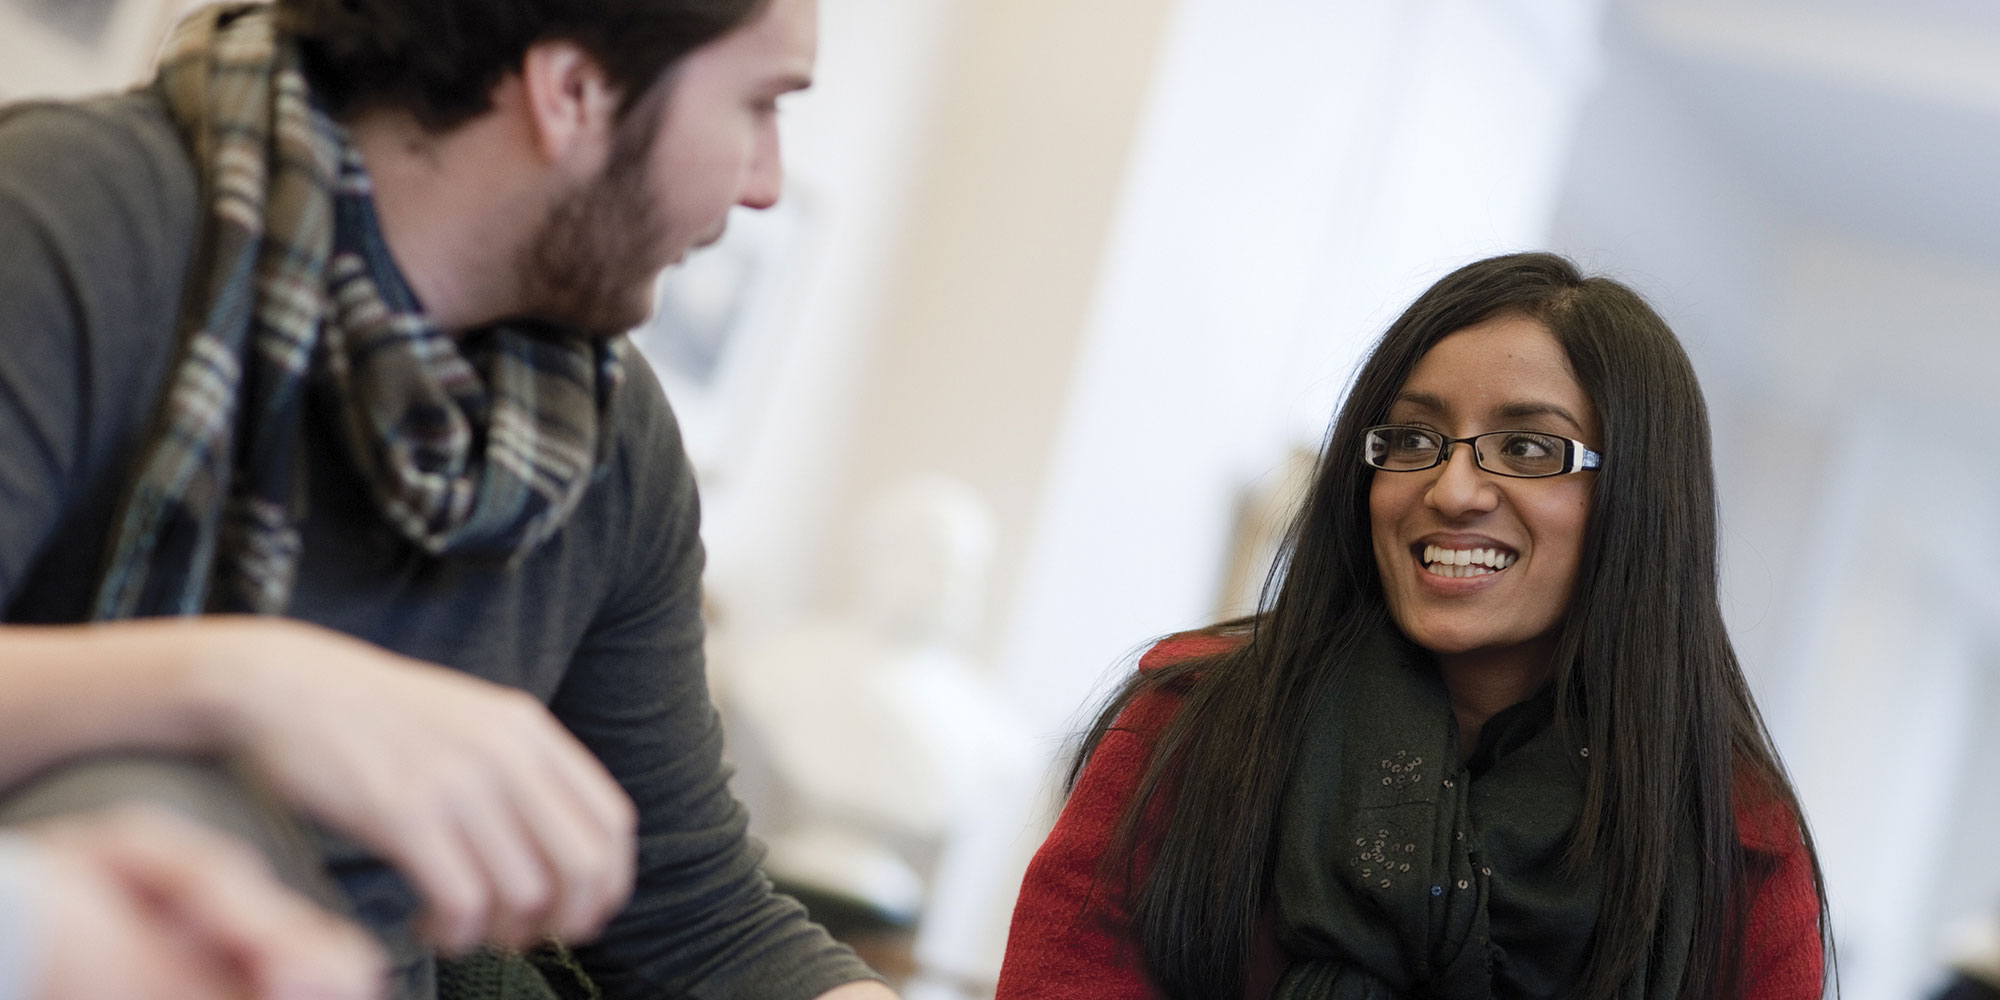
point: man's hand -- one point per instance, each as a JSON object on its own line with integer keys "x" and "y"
{"x": 136, "y": 903}
{"x": 508, "y": 827}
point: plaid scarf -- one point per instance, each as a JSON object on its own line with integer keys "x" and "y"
{"x": 477, "y": 447}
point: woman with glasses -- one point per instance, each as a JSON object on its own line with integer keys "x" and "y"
{"x": 1488, "y": 737}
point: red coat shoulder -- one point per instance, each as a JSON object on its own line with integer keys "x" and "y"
{"x": 1187, "y": 646}
{"x": 1783, "y": 956}
{"x": 1072, "y": 936}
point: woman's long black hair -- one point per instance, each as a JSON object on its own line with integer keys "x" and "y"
{"x": 1644, "y": 666}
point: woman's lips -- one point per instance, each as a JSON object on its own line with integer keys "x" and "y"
{"x": 1456, "y": 566}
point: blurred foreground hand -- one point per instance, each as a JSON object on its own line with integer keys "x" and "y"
{"x": 136, "y": 903}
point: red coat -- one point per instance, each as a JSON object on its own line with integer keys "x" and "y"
{"x": 1055, "y": 951}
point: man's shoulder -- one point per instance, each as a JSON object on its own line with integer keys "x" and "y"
{"x": 98, "y": 215}
{"x": 122, "y": 142}
{"x": 645, "y": 433}
{"x": 643, "y": 500}
{"x": 99, "y": 210}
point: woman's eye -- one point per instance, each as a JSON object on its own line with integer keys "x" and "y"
{"x": 1411, "y": 439}
{"x": 1528, "y": 446}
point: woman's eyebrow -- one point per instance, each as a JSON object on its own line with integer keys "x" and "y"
{"x": 1522, "y": 409}
{"x": 1516, "y": 410}
{"x": 1423, "y": 400}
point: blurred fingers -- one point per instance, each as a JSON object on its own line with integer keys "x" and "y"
{"x": 520, "y": 888}
{"x": 591, "y": 868}
{"x": 424, "y": 843}
{"x": 222, "y": 897}
{"x": 598, "y": 834}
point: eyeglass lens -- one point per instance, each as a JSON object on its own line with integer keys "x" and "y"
{"x": 1511, "y": 453}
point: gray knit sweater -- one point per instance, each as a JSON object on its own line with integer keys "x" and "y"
{"x": 97, "y": 223}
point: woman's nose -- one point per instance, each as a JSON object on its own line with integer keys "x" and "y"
{"x": 1462, "y": 487}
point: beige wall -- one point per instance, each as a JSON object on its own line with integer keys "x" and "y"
{"x": 990, "y": 289}
{"x": 38, "y": 61}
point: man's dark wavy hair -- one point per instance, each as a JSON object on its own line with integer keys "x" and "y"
{"x": 440, "y": 59}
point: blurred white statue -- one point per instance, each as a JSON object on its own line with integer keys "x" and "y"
{"x": 875, "y": 721}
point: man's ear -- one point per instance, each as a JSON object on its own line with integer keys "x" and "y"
{"x": 570, "y": 101}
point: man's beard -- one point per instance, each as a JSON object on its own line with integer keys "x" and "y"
{"x": 590, "y": 268}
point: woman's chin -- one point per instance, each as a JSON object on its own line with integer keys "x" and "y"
{"x": 1469, "y": 639}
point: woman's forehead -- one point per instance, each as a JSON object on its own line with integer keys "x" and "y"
{"x": 1509, "y": 368}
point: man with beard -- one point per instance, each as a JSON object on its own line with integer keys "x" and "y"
{"x": 322, "y": 453}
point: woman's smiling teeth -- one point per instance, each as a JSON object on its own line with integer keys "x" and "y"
{"x": 1465, "y": 562}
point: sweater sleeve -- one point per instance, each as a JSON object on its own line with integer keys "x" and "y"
{"x": 1072, "y": 936}
{"x": 1782, "y": 953}
{"x": 97, "y": 214}
{"x": 703, "y": 921}
{"x": 1783, "y": 956}
{"x": 1072, "y": 933}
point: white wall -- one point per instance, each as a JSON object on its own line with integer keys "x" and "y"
{"x": 1284, "y": 155}
{"x": 1895, "y": 643}
{"x": 1457, "y": 153}
{"x": 1847, "y": 372}
{"x": 1652, "y": 199}
{"x": 855, "y": 147}
{"x": 1140, "y": 256}
{"x": 1299, "y": 166}
{"x": 972, "y": 342}
{"x": 1964, "y": 886}
{"x": 1893, "y": 623}
{"x": 38, "y": 60}
{"x": 953, "y": 353}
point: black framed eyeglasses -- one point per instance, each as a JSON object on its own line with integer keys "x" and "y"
{"x": 1519, "y": 454}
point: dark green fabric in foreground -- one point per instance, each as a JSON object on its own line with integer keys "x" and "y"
{"x": 547, "y": 973}
{"x": 1403, "y": 873}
